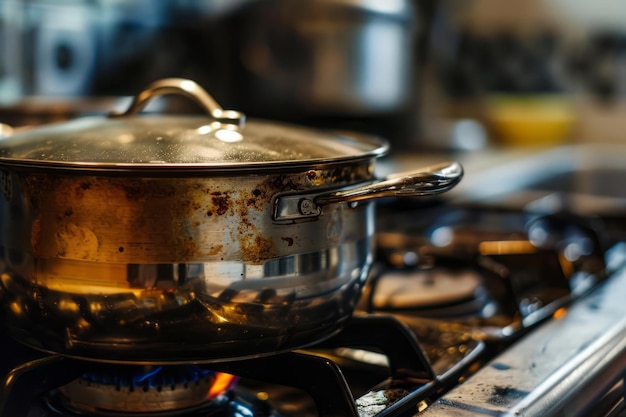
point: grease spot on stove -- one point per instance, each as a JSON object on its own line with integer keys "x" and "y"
{"x": 506, "y": 395}
{"x": 500, "y": 366}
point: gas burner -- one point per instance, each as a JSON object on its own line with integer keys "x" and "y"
{"x": 433, "y": 292}
{"x": 122, "y": 390}
{"x": 484, "y": 267}
{"x": 326, "y": 380}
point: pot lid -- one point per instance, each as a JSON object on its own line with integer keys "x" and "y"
{"x": 221, "y": 140}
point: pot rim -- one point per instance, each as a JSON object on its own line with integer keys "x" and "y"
{"x": 194, "y": 168}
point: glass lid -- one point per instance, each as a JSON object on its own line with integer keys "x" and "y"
{"x": 221, "y": 139}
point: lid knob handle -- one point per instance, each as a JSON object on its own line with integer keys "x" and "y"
{"x": 186, "y": 88}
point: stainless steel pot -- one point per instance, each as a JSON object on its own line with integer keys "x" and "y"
{"x": 330, "y": 57}
{"x": 166, "y": 239}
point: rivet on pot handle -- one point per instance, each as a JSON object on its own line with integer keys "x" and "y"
{"x": 432, "y": 180}
{"x": 186, "y": 88}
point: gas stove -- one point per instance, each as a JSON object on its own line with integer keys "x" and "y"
{"x": 468, "y": 311}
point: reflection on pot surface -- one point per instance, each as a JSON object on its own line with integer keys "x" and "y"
{"x": 202, "y": 312}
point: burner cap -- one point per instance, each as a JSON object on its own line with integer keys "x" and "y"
{"x": 416, "y": 288}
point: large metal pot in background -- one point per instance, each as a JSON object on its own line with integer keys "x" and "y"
{"x": 188, "y": 238}
{"x": 327, "y": 58}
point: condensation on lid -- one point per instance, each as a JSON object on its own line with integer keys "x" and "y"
{"x": 182, "y": 140}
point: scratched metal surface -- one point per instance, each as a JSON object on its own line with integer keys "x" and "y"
{"x": 555, "y": 370}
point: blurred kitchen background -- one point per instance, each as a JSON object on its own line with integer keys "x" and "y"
{"x": 428, "y": 75}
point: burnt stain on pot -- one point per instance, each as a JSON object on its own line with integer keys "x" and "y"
{"x": 34, "y": 185}
{"x": 79, "y": 189}
{"x": 287, "y": 240}
{"x": 339, "y": 176}
{"x": 138, "y": 189}
{"x": 221, "y": 202}
{"x": 279, "y": 183}
{"x": 257, "y": 200}
{"x": 187, "y": 246}
{"x": 215, "y": 250}
{"x": 257, "y": 249}
{"x": 76, "y": 242}
{"x": 134, "y": 193}
{"x": 320, "y": 178}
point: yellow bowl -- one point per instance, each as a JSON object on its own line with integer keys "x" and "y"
{"x": 530, "y": 119}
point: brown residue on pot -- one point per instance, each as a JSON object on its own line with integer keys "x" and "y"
{"x": 287, "y": 240}
{"x": 257, "y": 249}
{"x": 215, "y": 250}
{"x": 280, "y": 183}
{"x": 258, "y": 198}
{"x": 76, "y": 242}
{"x": 317, "y": 178}
{"x": 339, "y": 176}
{"x": 133, "y": 193}
{"x": 34, "y": 185}
{"x": 221, "y": 202}
{"x": 187, "y": 247}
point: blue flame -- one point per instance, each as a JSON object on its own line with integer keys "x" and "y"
{"x": 150, "y": 377}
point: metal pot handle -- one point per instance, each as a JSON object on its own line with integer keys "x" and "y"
{"x": 186, "y": 88}
{"x": 431, "y": 180}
